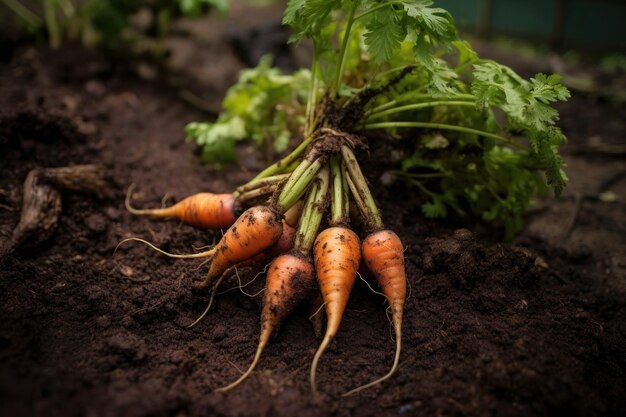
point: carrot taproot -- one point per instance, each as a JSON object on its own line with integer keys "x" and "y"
{"x": 337, "y": 257}
{"x": 384, "y": 256}
{"x": 256, "y": 230}
{"x": 282, "y": 246}
{"x": 202, "y": 210}
{"x": 290, "y": 278}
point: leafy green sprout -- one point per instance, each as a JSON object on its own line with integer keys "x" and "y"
{"x": 498, "y": 138}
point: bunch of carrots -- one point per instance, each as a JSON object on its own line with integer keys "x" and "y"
{"x": 283, "y": 211}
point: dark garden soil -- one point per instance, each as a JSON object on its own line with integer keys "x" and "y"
{"x": 533, "y": 328}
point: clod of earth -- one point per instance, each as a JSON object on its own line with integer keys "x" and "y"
{"x": 41, "y": 201}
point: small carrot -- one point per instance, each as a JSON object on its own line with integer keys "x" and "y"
{"x": 337, "y": 258}
{"x": 202, "y": 210}
{"x": 384, "y": 256}
{"x": 290, "y": 279}
{"x": 256, "y": 230}
{"x": 282, "y": 246}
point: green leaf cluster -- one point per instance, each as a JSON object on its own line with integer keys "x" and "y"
{"x": 484, "y": 140}
{"x": 527, "y": 106}
{"x": 264, "y": 106}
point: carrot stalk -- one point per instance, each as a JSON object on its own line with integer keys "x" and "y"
{"x": 361, "y": 191}
{"x": 296, "y": 186}
{"x": 253, "y": 185}
{"x": 312, "y": 214}
{"x": 384, "y": 256}
{"x": 337, "y": 257}
{"x": 339, "y": 203}
{"x": 279, "y": 166}
{"x": 256, "y": 193}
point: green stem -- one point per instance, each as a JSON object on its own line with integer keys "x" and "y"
{"x": 391, "y": 71}
{"x": 376, "y": 8}
{"x": 442, "y": 126}
{"x": 344, "y": 47}
{"x": 345, "y": 191}
{"x": 422, "y": 188}
{"x": 261, "y": 183}
{"x": 370, "y": 209}
{"x": 339, "y": 207}
{"x": 67, "y": 8}
{"x": 310, "y": 104}
{"x": 30, "y": 18}
{"x": 296, "y": 174}
{"x": 422, "y": 176}
{"x": 406, "y": 96}
{"x": 295, "y": 189}
{"x": 312, "y": 213}
{"x": 281, "y": 165}
{"x": 51, "y": 23}
{"x": 357, "y": 197}
{"x": 418, "y": 106}
{"x": 256, "y": 193}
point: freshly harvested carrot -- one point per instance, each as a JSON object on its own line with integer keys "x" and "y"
{"x": 384, "y": 256}
{"x": 290, "y": 279}
{"x": 282, "y": 246}
{"x": 256, "y": 230}
{"x": 203, "y": 210}
{"x": 337, "y": 257}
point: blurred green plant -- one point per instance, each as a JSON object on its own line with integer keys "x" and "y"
{"x": 264, "y": 106}
{"x": 105, "y": 22}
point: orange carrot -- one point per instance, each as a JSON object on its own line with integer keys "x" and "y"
{"x": 337, "y": 258}
{"x": 283, "y": 245}
{"x": 384, "y": 256}
{"x": 202, "y": 210}
{"x": 256, "y": 230}
{"x": 289, "y": 281}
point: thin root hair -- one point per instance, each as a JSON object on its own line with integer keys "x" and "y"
{"x": 316, "y": 312}
{"x": 368, "y": 285}
{"x": 205, "y": 254}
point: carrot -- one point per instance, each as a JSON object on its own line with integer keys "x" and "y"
{"x": 289, "y": 281}
{"x": 256, "y": 230}
{"x": 384, "y": 256}
{"x": 282, "y": 246}
{"x": 203, "y": 210}
{"x": 337, "y": 258}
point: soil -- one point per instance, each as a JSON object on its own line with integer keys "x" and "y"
{"x": 532, "y": 328}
